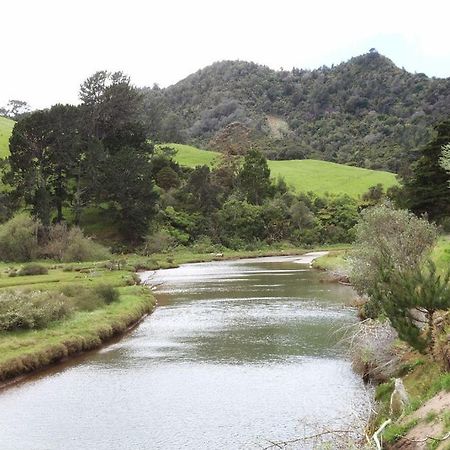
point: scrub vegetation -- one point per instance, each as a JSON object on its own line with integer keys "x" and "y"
{"x": 90, "y": 195}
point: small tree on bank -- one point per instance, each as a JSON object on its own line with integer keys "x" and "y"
{"x": 410, "y": 299}
{"x": 387, "y": 240}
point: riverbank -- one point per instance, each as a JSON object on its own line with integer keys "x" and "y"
{"x": 425, "y": 424}
{"x": 25, "y": 351}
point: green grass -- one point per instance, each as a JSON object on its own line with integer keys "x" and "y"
{"x": 306, "y": 175}
{"x": 335, "y": 261}
{"x": 24, "y": 351}
{"x": 6, "y": 126}
{"x": 441, "y": 253}
{"x": 191, "y": 156}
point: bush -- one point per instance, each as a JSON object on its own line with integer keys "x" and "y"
{"x": 80, "y": 248}
{"x": 158, "y": 242}
{"x": 33, "y": 269}
{"x": 387, "y": 239}
{"x": 90, "y": 298}
{"x": 19, "y": 239}
{"x": 70, "y": 245}
{"x": 108, "y": 293}
{"x": 31, "y": 310}
{"x": 204, "y": 244}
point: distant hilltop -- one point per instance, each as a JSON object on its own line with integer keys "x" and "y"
{"x": 365, "y": 112}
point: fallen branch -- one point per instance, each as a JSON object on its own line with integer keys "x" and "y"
{"x": 380, "y": 430}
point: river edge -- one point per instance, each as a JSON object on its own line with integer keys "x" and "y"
{"x": 25, "y": 367}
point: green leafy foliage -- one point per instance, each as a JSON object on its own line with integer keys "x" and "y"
{"x": 30, "y": 310}
{"x": 427, "y": 189}
{"x": 410, "y": 298}
{"x": 387, "y": 239}
{"x": 365, "y": 111}
{"x": 33, "y": 269}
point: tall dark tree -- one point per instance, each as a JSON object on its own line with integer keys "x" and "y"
{"x": 202, "y": 189}
{"x": 427, "y": 188}
{"x": 29, "y": 162}
{"x": 44, "y": 153}
{"x": 117, "y": 167}
{"x": 254, "y": 177}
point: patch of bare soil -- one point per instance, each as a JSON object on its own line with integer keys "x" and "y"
{"x": 423, "y": 433}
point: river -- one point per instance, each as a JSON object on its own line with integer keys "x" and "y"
{"x": 237, "y": 354}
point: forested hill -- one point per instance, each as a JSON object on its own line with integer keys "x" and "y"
{"x": 366, "y": 111}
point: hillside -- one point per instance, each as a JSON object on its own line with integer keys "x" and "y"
{"x": 366, "y": 111}
{"x": 304, "y": 175}
{"x": 6, "y": 126}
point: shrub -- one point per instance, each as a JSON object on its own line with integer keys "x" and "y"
{"x": 80, "y": 248}
{"x": 158, "y": 242}
{"x": 204, "y": 244}
{"x": 107, "y": 293}
{"x": 30, "y": 310}
{"x": 33, "y": 269}
{"x": 19, "y": 239}
{"x": 70, "y": 245}
{"x": 387, "y": 239}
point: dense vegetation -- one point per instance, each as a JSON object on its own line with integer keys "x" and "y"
{"x": 319, "y": 177}
{"x": 365, "y": 112}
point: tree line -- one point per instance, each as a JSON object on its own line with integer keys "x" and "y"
{"x": 99, "y": 155}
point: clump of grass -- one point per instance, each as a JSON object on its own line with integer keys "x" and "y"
{"x": 107, "y": 293}
{"x": 446, "y": 419}
{"x": 91, "y": 298}
{"x": 396, "y": 431}
{"x": 441, "y": 384}
{"x": 33, "y": 269}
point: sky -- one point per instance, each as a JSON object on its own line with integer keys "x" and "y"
{"x": 50, "y": 46}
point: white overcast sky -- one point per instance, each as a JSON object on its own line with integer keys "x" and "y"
{"x": 50, "y": 46}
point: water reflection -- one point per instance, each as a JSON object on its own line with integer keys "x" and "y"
{"x": 236, "y": 353}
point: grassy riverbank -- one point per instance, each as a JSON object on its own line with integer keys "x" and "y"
{"x": 89, "y": 322}
{"x": 426, "y": 381}
{"x": 24, "y": 351}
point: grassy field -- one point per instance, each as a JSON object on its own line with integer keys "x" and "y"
{"x": 319, "y": 177}
{"x": 6, "y": 126}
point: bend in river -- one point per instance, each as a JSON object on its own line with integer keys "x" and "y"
{"x": 236, "y": 354}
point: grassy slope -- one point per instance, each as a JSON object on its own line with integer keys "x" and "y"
{"x": 305, "y": 175}
{"x": 6, "y": 126}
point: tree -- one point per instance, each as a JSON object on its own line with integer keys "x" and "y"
{"x": 254, "y": 177}
{"x": 410, "y": 299}
{"x": 427, "y": 189}
{"x": 387, "y": 240}
{"x": 16, "y": 109}
{"x": 44, "y": 153}
{"x": 127, "y": 185}
{"x": 203, "y": 191}
{"x": 117, "y": 165}
{"x": 445, "y": 158}
{"x": 167, "y": 178}
{"x": 30, "y": 170}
